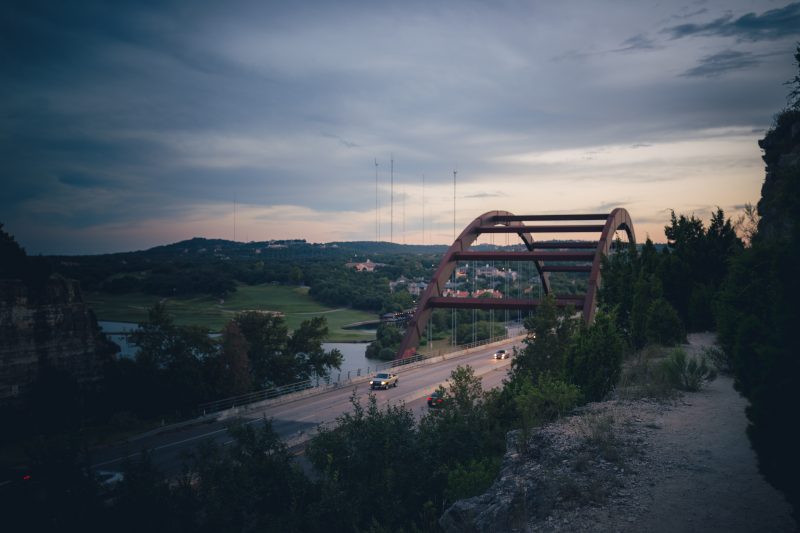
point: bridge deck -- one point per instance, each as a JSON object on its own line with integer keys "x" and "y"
{"x": 566, "y": 228}
{"x": 552, "y": 218}
{"x": 565, "y": 244}
{"x": 524, "y": 256}
{"x": 511, "y": 304}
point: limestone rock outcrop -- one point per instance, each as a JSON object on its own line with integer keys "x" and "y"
{"x": 48, "y": 324}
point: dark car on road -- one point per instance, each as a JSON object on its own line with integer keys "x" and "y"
{"x": 501, "y": 354}
{"x": 436, "y": 399}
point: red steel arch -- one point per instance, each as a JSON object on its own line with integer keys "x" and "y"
{"x": 587, "y": 253}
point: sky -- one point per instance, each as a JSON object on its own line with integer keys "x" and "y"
{"x": 126, "y": 125}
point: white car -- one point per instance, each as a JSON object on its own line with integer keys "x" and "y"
{"x": 501, "y": 354}
{"x": 384, "y": 380}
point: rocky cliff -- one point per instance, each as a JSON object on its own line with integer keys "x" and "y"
{"x": 47, "y": 324}
{"x": 779, "y": 207}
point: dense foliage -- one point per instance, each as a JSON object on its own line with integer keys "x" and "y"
{"x": 214, "y": 267}
{"x": 176, "y": 368}
{"x": 16, "y": 264}
{"x": 377, "y": 469}
{"x": 560, "y": 349}
{"x": 674, "y": 290}
{"x": 387, "y": 341}
{"x": 758, "y": 309}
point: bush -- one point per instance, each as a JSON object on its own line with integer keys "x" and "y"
{"x": 472, "y": 479}
{"x": 663, "y": 325}
{"x": 598, "y": 432}
{"x": 719, "y": 358}
{"x": 643, "y": 377}
{"x": 594, "y": 361}
{"x": 686, "y": 373}
{"x": 546, "y": 401}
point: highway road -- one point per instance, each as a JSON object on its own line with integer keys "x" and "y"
{"x": 298, "y": 420}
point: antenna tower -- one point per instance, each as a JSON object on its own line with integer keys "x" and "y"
{"x": 391, "y": 198}
{"x": 423, "y": 209}
{"x": 454, "y": 204}
{"x": 377, "y": 219}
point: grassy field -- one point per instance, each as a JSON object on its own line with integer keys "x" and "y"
{"x": 293, "y": 302}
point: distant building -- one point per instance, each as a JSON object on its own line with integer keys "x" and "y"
{"x": 398, "y": 283}
{"x": 366, "y": 266}
{"x": 487, "y": 293}
{"x": 416, "y": 288}
{"x": 455, "y": 293}
{"x": 493, "y": 272}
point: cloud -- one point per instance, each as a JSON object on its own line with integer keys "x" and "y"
{"x": 342, "y": 141}
{"x": 691, "y": 14}
{"x": 79, "y": 179}
{"x": 637, "y": 42}
{"x": 486, "y": 195}
{"x": 770, "y": 25}
{"x": 114, "y": 117}
{"x": 721, "y": 63}
{"x": 606, "y": 207}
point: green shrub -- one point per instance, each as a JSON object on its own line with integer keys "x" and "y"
{"x": 719, "y": 359}
{"x": 465, "y": 481}
{"x": 594, "y": 361}
{"x": 687, "y": 373}
{"x": 642, "y": 376}
{"x": 663, "y": 325}
{"x": 546, "y": 401}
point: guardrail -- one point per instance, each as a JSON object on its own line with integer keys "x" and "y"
{"x": 319, "y": 384}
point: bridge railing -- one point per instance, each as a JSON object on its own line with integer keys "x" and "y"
{"x": 319, "y": 384}
{"x": 252, "y": 397}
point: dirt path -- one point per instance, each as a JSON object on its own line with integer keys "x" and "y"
{"x": 705, "y": 476}
{"x": 640, "y": 465}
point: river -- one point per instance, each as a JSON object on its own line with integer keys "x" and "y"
{"x": 354, "y": 360}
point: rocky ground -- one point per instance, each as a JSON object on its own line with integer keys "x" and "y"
{"x": 672, "y": 464}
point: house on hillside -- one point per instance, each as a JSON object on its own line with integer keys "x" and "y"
{"x": 366, "y": 266}
{"x": 487, "y": 293}
{"x": 399, "y": 283}
{"x": 416, "y": 288}
{"x": 455, "y": 293}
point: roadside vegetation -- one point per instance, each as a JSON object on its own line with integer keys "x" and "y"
{"x": 175, "y": 369}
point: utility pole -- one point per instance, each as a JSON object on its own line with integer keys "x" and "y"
{"x": 423, "y": 210}
{"x": 377, "y": 219}
{"x": 391, "y": 198}
{"x": 454, "y": 204}
{"x": 455, "y": 272}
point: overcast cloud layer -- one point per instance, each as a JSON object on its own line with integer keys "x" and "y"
{"x": 124, "y": 126}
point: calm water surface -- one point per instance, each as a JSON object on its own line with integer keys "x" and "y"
{"x": 354, "y": 358}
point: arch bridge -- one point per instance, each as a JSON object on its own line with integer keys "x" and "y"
{"x": 547, "y": 256}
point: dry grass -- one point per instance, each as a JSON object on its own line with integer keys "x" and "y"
{"x": 643, "y": 377}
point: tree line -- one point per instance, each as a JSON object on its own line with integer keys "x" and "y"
{"x": 175, "y": 369}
